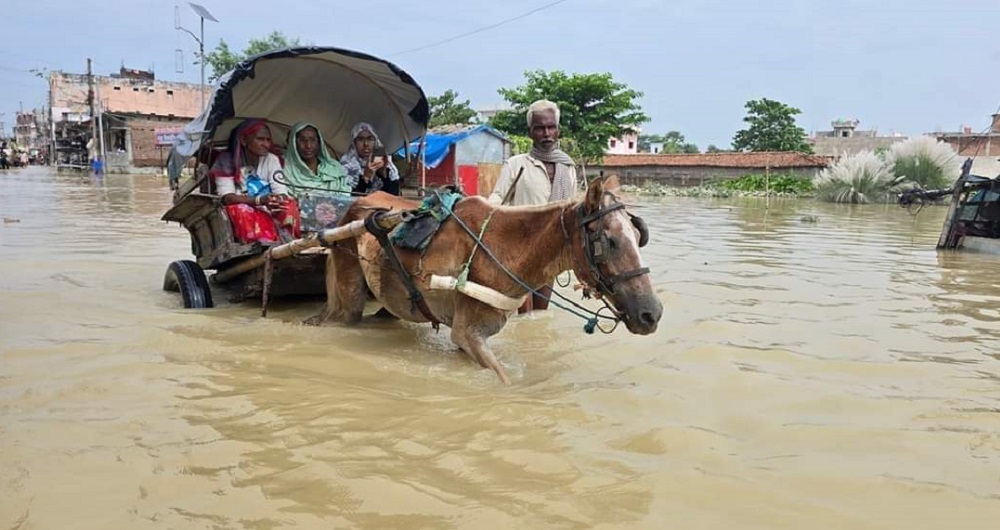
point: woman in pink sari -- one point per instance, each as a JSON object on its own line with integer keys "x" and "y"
{"x": 258, "y": 205}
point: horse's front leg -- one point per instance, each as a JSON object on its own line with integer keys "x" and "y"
{"x": 473, "y": 323}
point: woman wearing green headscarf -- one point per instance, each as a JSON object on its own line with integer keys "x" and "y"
{"x": 309, "y": 166}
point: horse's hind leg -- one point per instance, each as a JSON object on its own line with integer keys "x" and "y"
{"x": 472, "y": 325}
{"x": 345, "y": 289}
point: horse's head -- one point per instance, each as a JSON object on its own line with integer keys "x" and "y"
{"x": 606, "y": 256}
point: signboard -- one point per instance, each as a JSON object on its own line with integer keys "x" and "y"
{"x": 167, "y": 136}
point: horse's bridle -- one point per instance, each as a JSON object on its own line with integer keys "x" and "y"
{"x": 597, "y": 249}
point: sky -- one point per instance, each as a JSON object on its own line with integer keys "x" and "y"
{"x": 899, "y": 66}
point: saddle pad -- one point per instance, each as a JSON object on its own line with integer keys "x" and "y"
{"x": 320, "y": 212}
{"x": 417, "y": 233}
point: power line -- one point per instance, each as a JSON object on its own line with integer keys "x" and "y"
{"x": 479, "y": 30}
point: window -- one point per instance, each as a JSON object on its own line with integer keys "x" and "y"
{"x": 135, "y": 89}
{"x": 170, "y": 92}
{"x": 613, "y": 142}
{"x": 631, "y": 144}
{"x": 117, "y": 88}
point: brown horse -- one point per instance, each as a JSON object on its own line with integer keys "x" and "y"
{"x": 596, "y": 238}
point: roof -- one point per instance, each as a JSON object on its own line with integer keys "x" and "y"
{"x": 440, "y": 139}
{"x": 773, "y": 159}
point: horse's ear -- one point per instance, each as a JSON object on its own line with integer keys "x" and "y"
{"x": 612, "y": 184}
{"x": 595, "y": 193}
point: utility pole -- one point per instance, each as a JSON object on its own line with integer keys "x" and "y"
{"x": 202, "y": 14}
{"x": 90, "y": 103}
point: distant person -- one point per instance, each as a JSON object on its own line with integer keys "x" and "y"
{"x": 309, "y": 168}
{"x": 97, "y": 165}
{"x": 368, "y": 169}
{"x": 257, "y": 205}
{"x": 546, "y": 174}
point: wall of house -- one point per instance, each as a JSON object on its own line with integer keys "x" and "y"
{"x": 833, "y": 146}
{"x": 145, "y": 152}
{"x": 973, "y": 144}
{"x": 628, "y": 144}
{"x": 691, "y": 175}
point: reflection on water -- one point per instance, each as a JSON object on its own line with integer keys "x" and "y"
{"x": 818, "y": 366}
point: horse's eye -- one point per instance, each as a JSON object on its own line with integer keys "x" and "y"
{"x": 612, "y": 243}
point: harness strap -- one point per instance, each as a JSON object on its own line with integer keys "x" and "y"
{"x": 416, "y": 297}
{"x": 463, "y": 276}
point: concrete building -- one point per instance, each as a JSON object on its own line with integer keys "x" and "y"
{"x": 139, "y": 117}
{"x": 846, "y": 139}
{"x": 974, "y": 144}
{"x": 699, "y": 169}
{"x": 626, "y": 144}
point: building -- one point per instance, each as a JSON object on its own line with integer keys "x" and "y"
{"x": 627, "y": 144}
{"x": 974, "y": 144}
{"x": 31, "y": 133}
{"x": 846, "y": 139}
{"x": 469, "y": 155}
{"x": 699, "y": 169}
{"x": 137, "y": 115}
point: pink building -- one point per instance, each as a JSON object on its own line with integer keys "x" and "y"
{"x": 627, "y": 144}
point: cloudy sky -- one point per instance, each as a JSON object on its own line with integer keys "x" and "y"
{"x": 903, "y": 66}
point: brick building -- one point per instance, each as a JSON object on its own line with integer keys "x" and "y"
{"x": 699, "y": 169}
{"x": 969, "y": 143}
{"x": 138, "y": 115}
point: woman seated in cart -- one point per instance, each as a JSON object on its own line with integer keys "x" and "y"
{"x": 309, "y": 168}
{"x": 368, "y": 170}
{"x": 258, "y": 205}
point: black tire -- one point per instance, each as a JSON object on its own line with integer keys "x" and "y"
{"x": 187, "y": 277}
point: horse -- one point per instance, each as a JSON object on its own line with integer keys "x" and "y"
{"x": 596, "y": 237}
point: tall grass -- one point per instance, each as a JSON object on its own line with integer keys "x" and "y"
{"x": 923, "y": 161}
{"x": 856, "y": 179}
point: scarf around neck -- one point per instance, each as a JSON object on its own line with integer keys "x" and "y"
{"x": 330, "y": 175}
{"x": 563, "y": 185}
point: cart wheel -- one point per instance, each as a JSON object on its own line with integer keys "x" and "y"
{"x": 188, "y": 278}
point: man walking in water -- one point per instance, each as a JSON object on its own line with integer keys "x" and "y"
{"x": 546, "y": 174}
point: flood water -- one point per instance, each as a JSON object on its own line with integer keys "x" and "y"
{"x": 825, "y": 375}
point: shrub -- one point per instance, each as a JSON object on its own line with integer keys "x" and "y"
{"x": 856, "y": 179}
{"x": 923, "y": 161}
{"x": 778, "y": 183}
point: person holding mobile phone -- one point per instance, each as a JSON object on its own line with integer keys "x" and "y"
{"x": 369, "y": 168}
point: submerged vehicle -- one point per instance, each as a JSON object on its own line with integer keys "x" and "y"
{"x": 332, "y": 88}
{"x": 973, "y": 218}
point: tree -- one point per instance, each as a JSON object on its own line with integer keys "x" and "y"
{"x": 222, "y": 59}
{"x": 713, "y": 149}
{"x": 447, "y": 110}
{"x": 593, "y": 108}
{"x": 673, "y": 143}
{"x": 772, "y": 128}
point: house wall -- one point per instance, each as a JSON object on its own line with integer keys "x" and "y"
{"x": 691, "y": 175}
{"x": 628, "y": 144}
{"x": 142, "y": 131}
{"x": 833, "y": 146}
{"x": 973, "y": 144}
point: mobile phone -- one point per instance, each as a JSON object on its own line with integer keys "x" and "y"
{"x": 379, "y": 152}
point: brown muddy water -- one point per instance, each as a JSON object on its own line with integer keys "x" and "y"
{"x": 837, "y": 374}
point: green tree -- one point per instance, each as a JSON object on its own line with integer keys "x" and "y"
{"x": 222, "y": 59}
{"x": 713, "y": 149}
{"x": 447, "y": 110}
{"x": 771, "y": 127}
{"x": 593, "y": 108}
{"x": 673, "y": 143}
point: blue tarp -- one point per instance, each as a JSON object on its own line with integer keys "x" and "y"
{"x": 436, "y": 145}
